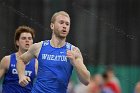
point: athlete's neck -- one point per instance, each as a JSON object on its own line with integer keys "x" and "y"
{"x": 57, "y": 43}
{"x": 20, "y": 52}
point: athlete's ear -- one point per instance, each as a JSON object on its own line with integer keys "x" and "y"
{"x": 17, "y": 42}
{"x": 52, "y": 26}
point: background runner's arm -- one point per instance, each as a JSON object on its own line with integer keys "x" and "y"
{"x": 4, "y": 64}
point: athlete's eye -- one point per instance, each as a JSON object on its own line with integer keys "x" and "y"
{"x": 23, "y": 38}
{"x": 67, "y": 23}
{"x": 30, "y": 38}
{"x": 61, "y": 22}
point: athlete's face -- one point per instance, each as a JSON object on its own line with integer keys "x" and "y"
{"x": 61, "y": 26}
{"x": 25, "y": 41}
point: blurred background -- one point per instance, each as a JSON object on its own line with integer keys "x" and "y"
{"x": 106, "y": 31}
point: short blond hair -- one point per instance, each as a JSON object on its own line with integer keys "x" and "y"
{"x": 59, "y": 13}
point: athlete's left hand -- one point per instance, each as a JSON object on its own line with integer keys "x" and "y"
{"x": 73, "y": 54}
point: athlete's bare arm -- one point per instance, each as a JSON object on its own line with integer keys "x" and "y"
{"x": 36, "y": 66}
{"x": 77, "y": 62}
{"x": 4, "y": 65}
{"x": 32, "y": 52}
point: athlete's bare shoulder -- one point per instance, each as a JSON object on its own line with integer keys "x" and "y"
{"x": 6, "y": 58}
{"x": 4, "y": 65}
{"x": 5, "y": 62}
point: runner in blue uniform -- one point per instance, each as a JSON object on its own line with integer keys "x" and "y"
{"x": 23, "y": 39}
{"x": 56, "y": 58}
